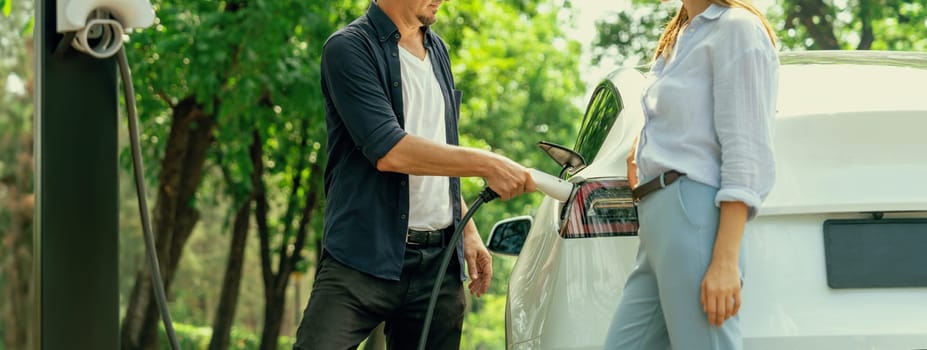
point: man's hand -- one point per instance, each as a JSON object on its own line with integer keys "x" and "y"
{"x": 479, "y": 262}
{"x": 509, "y": 178}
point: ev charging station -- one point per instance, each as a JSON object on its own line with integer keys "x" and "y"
{"x": 76, "y": 177}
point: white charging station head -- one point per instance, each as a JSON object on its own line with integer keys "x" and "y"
{"x": 551, "y": 185}
{"x": 73, "y": 14}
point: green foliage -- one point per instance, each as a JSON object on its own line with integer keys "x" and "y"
{"x": 196, "y": 337}
{"x": 630, "y": 37}
{"x": 519, "y": 74}
{"x": 253, "y": 67}
{"x": 891, "y": 25}
{"x": 254, "y": 64}
{"x": 188, "y": 336}
{"x": 16, "y": 170}
{"x": 486, "y": 330}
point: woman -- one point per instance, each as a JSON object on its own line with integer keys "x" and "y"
{"x": 705, "y": 164}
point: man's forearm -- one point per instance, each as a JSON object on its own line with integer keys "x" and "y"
{"x": 418, "y": 156}
{"x": 415, "y": 155}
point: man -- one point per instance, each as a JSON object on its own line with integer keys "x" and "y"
{"x": 392, "y": 186}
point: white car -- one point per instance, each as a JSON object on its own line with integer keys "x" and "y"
{"x": 837, "y": 257}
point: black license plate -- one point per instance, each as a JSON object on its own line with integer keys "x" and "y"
{"x": 876, "y": 253}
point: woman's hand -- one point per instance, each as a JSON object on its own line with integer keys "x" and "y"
{"x": 632, "y": 165}
{"x": 721, "y": 284}
{"x": 721, "y": 292}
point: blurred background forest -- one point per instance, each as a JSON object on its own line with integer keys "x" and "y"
{"x": 234, "y": 134}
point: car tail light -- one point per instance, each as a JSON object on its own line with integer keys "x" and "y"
{"x": 600, "y": 208}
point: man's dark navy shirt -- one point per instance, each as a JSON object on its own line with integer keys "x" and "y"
{"x": 367, "y": 211}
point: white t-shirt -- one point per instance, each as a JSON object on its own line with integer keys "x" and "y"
{"x": 423, "y": 106}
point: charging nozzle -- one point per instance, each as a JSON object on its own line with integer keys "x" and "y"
{"x": 552, "y": 186}
{"x": 488, "y": 194}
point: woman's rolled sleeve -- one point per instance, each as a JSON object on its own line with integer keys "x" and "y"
{"x": 746, "y": 195}
{"x": 745, "y": 83}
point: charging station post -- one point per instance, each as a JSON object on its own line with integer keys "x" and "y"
{"x": 76, "y": 187}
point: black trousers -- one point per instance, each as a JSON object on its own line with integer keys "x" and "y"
{"x": 345, "y": 305}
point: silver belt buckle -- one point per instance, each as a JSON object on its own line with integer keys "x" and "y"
{"x": 409, "y": 232}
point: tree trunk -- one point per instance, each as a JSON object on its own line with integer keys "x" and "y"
{"x": 228, "y": 300}
{"x": 290, "y": 250}
{"x": 273, "y": 319}
{"x": 273, "y": 315}
{"x": 174, "y": 217}
{"x": 866, "y": 37}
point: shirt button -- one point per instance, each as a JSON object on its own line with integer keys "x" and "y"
{"x": 394, "y": 54}
{"x": 395, "y": 84}
{"x": 402, "y": 183}
{"x": 396, "y": 36}
{"x": 403, "y": 216}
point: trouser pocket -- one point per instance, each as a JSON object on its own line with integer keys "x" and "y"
{"x": 697, "y": 202}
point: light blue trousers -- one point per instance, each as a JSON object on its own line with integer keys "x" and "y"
{"x": 660, "y": 307}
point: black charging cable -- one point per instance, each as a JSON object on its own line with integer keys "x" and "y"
{"x": 485, "y": 196}
{"x": 137, "y": 167}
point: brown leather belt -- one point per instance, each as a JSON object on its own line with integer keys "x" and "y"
{"x": 421, "y": 239}
{"x": 665, "y": 179}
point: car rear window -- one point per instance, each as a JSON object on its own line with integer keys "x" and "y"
{"x": 603, "y": 109}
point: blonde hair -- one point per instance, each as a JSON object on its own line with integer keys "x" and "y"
{"x": 668, "y": 39}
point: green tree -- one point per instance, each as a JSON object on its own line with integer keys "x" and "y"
{"x": 853, "y": 24}
{"x": 211, "y": 76}
{"x": 629, "y": 38}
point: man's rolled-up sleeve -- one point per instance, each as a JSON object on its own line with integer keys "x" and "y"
{"x": 349, "y": 75}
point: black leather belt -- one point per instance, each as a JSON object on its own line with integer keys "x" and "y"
{"x": 422, "y": 239}
{"x": 665, "y": 179}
